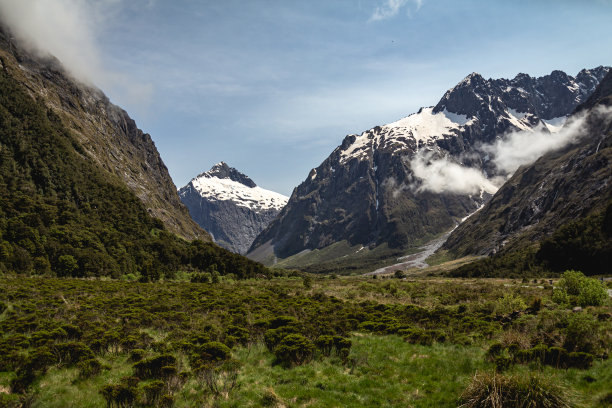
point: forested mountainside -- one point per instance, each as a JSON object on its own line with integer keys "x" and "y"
{"x": 105, "y": 132}
{"x": 62, "y": 212}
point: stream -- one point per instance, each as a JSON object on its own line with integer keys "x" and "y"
{"x": 416, "y": 260}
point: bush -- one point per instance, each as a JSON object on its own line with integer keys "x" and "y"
{"x": 581, "y": 333}
{"x": 213, "y": 351}
{"x": 153, "y": 392}
{"x": 509, "y": 303}
{"x": 501, "y": 391}
{"x": 89, "y": 368}
{"x": 294, "y": 349}
{"x": 576, "y": 289}
{"x": 152, "y": 367}
{"x": 592, "y": 293}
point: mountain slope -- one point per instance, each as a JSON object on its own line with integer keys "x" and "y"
{"x": 230, "y": 206}
{"x": 105, "y": 132}
{"x": 380, "y": 187}
{"x": 63, "y": 213}
{"x": 560, "y": 187}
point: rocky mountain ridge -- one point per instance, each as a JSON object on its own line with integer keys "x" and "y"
{"x": 368, "y": 192}
{"x": 562, "y": 186}
{"x": 230, "y": 206}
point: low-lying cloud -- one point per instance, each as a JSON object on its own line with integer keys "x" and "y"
{"x": 441, "y": 175}
{"x": 515, "y": 149}
{"x": 521, "y": 148}
{"x": 68, "y": 30}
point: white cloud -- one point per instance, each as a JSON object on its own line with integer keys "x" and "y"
{"x": 441, "y": 175}
{"x": 509, "y": 153}
{"x": 525, "y": 147}
{"x": 391, "y": 8}
{"x": 68, "y": 30}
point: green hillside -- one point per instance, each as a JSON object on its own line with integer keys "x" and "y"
{"x": 60, "y": 214}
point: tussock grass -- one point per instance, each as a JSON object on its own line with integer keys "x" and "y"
{"x": 494, "y": 390}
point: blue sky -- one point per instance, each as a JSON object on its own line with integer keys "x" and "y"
{"x": 272, "y": 87}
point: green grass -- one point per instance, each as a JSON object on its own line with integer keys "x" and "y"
{"x": 389, "y": 364}
{"x": 381, "y": 371}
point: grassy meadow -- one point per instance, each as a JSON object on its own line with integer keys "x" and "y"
{"x": 302, "y": 341}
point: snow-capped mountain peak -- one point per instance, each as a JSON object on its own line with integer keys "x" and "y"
{"x": 224, "y": 183}
{"x": 229, "y": 205}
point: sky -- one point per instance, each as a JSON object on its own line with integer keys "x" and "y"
{"x": 271, "y": 87}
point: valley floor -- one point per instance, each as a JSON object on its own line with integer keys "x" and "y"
{"x": 359, "y": 342}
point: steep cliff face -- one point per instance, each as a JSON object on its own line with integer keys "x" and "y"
{"x": 107, "y": 134}
{"x": 560, "y": 187}
{"x": 369, "y": 190}
{"x": 230, "y": 206}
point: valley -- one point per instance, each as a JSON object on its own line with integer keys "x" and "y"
{"x": 451, "y": 255}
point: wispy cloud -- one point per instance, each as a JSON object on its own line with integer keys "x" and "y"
{"x": 68, "y": 30}
{"x": 515, "y": 149}
{"x": 525, "y": 147}
{"x": 391, "y": 8}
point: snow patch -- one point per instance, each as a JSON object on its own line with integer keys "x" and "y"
{"x": 517, "y": 114}
{"x": 424, "y": 126}
{"x": 255, "y": 198}
{"x": 555, "y": 124}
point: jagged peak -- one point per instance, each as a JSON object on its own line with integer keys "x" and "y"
{"x": 223, "y": 171}
{"x": 473, "y": 77}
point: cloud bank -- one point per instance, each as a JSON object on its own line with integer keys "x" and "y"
{"x": 441, "y": 175}
{"x": 515, "y": 149}
{"x": 524, "y": 147}
{"x": 68, "y": 30}
{"x": 391, "y": 8}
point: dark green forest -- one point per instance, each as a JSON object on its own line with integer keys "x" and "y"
{"x": 584, "y": 244}
{"x": 62, "y": 215}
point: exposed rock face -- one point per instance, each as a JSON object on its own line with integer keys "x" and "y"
{"x": 367, "y": 192}
{"x": 230, "y": 206}
{"x": 106, "y": 132}
{"x": 561, "y": 186}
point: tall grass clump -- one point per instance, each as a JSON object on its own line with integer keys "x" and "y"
{"x": 494, "y": 390}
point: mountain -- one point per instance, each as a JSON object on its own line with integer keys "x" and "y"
{"x": 401, "y": 184}
{"x": 559, "y": 189}
{"x": 230, "y": 206}
{"x": 74, "y": 178}
{"x": 106, "y": 133}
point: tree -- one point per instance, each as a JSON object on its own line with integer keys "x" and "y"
{"x": 66, "y": 265}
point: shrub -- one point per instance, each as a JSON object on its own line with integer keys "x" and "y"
{"x": 294, "y": 349}
{"x": 71, "y": 353}
{"x": 152, "y": 367}
{"x": 89, "y": 368}
{"x": 509, "y": 303}
{"x": 153, "y": 392}
{"x": 136, "y": 355}
{"x": 581, "y": 333}
{"x": 273, "y": 337}
{"x": 120, "y": 395}
{"x": 576, "y": 289}
{"x": 501, "y": 391}
{"x": 592, "y": 293}
{"x": 213, "y": 351}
